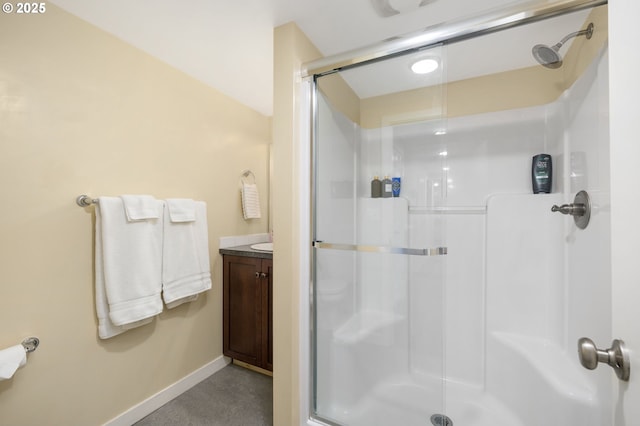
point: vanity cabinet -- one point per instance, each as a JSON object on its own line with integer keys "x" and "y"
{"x": 247, "y": 310}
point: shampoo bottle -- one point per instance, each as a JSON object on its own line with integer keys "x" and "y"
{"x": 387, "y": 187}
{"x": 376, "y": 188}
{"x": 541, "y": 172}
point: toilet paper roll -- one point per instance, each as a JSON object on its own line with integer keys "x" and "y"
{"x": 10, "y": 360}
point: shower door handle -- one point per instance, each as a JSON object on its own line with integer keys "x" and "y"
{"x": 437, "y": 251}
{"x": 617, "y": 356}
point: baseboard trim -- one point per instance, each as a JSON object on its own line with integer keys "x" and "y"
{"x": 252, "y": 368}
{"x": 156, "y": 401}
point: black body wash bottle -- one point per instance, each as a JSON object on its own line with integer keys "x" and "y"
{"x": 541, "y": 172}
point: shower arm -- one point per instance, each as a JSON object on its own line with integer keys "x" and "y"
{"x": 587, "y": 31}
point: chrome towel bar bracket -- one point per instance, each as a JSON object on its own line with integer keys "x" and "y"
{"x": 85, "y": 200}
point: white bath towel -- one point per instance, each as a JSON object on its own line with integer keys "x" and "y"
{"x": 10, "y": 360}
{"x": 140, "y": 207}
{"x": 181, "y": 209}
{"x": 250, "y": 201}
{"x": 128, "y": 268}
{"x": 185, "y": 265}
{"x": 106, "y": 329}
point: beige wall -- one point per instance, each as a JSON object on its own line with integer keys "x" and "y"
{"x": 82, "y": 112}
{"x": 291, "y": 49}
{"x": 341, "y": 96}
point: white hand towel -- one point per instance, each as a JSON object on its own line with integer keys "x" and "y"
{"x": 10, "y": 360}
{"x": 181, "y": 209}
{"x": 140, "y": 207}
{"x": 250, "y": 201}
{"x": 128, "y": 268}
{"x": 185, "y": 265}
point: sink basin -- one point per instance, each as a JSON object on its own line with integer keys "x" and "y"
{"x": 263, "y": 246}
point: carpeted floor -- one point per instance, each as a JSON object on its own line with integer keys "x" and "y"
{"x": 234, "y": 396}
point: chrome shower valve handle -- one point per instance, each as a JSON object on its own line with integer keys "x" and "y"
{"x": 571, "y": 209}
{"x": 580, "y": 209}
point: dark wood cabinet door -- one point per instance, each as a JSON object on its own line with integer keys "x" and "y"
{"x": 242, "y": 298}
{"x": 247, "y": 316}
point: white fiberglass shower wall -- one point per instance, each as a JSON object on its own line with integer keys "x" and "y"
{"x": 460, "y": 301}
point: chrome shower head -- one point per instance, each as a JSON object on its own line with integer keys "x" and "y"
{"x": 550, "y": 56}
{"x": 547, "y": 56}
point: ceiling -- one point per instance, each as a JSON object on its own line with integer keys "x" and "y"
{"x": 228, "y": 44}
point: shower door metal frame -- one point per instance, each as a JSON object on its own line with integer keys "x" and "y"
{"x": 441, "y": 34}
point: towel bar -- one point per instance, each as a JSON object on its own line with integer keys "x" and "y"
{"x": 85, "y": 200}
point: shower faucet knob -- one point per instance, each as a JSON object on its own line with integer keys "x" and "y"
{"x": 570, "y": 209}
{"x": 580, "y": 209}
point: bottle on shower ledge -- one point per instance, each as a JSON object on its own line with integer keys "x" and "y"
{"x": 376, "y": 187}
{"x": 387, "y": 187}
{"x": 396, "y": 182}
{"x": 541, "y": 173}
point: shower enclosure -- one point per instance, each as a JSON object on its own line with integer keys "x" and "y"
{"x": 460, "y": 298}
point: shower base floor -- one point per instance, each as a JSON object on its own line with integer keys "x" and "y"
{"x": 402, "y": 401}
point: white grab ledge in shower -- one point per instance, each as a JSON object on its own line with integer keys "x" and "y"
{"x": 448, "y": 210}
{"x": 560, "y": 370}
{"x": 365, "y": 325}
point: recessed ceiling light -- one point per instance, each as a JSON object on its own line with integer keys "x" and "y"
{"x": 424, "y": 66}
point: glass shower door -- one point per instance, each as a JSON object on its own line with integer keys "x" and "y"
{"x": 378, "y": 255}
{"x": 485, "y": 335}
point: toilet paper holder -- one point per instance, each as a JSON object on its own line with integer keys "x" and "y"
{"x": 30, "y": 344}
